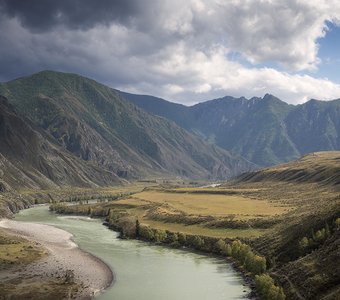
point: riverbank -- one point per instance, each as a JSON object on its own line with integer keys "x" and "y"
{"x": 65, "y": 262}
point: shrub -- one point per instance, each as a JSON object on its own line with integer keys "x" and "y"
{"x": 303, "y": 243}
{"x": 159, "y": 235}
{"x": 182, "y": 238}
{"x": 337, "y": 223}
{"x": 235, "y": 249}
{"x": 246, "y": 257}
{"x": 267, "y": 289}
{"x": 174, "y": 238}
{"x": 146, "y": 233}
{"x": 259, "y": 264}
{"x": 198, "y": 242}
{"x": 220, "y": 246}
{"x": 137, "y": 228}
{"x": 228, "y": 250}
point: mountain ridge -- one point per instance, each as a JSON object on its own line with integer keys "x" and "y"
{"x": 266, "y": 131}
{"x": 96, "y": 124}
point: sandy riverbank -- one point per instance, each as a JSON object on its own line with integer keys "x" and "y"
{"x": 90, "y": 272}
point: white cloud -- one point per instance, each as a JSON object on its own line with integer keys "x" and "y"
{"x": 179, "y": 49}
{"x": 285, "y": 32}
{"x": 206, "y": 76}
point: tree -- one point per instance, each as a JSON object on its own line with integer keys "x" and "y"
{"x": 160, "y": 235}
{"x": 263, "y": 283}
{"x": 137, "y": 228}
{"x": 220, "y": 246}
{"x": 327, "y": 230}
{"x": 174, "y": 238}
{"x": 273, "y": 292}
{"x": 303, "y": 244}
{"x": 337, "y": 223}
{"x": 182, "y": 238}
{"x": 228, "y": 250}
{"x": 235, "y": 248}
{"x": 259, "y": 264}
{"x": 198, "y": 242}
{"x": 242, "y": 253}
{"x": 267, "y": 289}
{"x": 281, "y": 295}
{"x": 319, "y": 236}
{"x": 146, "y": 233}
{"x": 249, "y": 261}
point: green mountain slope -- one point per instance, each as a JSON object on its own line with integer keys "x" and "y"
{"x": 252, "y": 127}
{"x": 94, "y": 123}
{"x": 264, "y": 130}
{"x": 30, "y": 159}
{"x": 178, "y": 113}
{"x": 315, "y": 126}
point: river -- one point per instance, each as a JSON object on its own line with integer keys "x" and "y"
{"x": 144, "y": 271}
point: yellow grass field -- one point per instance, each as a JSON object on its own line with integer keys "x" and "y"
{"x": 204, "y": 231}
{"x": 171, "y": 210}
{"x": 216, "y": 205}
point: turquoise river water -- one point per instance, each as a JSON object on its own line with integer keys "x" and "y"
{"x": 144, "y": 271}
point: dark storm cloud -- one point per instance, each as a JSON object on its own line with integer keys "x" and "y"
{"x": 180, "y": 50}
{"x": 42, "y": 15}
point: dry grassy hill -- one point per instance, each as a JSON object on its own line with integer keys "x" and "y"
{"x": 320, "y": 167}
{"x": 304, "y": 247}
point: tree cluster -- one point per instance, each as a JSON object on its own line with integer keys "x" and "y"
{"x": 317, "y": 238}
{"x": 267, "y": 289}
{"x": 244, "y": 255}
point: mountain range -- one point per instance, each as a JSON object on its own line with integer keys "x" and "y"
{"x": 266, "y": 131}
{"x": 61, "y": 129}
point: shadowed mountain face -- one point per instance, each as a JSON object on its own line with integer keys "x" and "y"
{"x": 96, "y": 126}
{"x": 264, "y": 130}
{"x": 30, "y": 159}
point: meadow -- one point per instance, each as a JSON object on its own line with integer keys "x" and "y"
{"x": 207, "y": 214}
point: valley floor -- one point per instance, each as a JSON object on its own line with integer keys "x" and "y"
{"x": 293, "y": 225}
{"x": 287, "y": 217}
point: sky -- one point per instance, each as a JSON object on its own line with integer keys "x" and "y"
{"x": 183, "y": 51}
